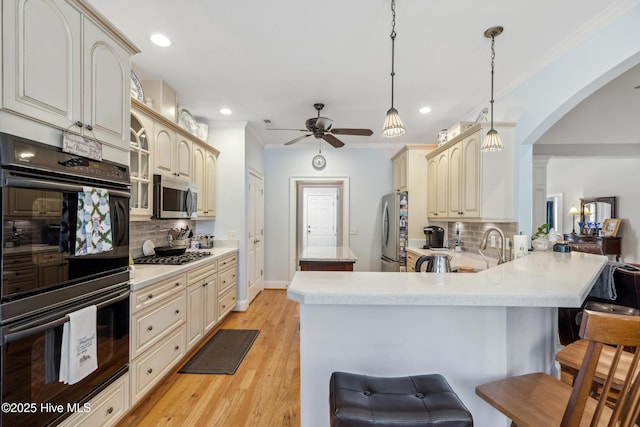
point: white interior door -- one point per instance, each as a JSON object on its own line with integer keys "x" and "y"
{"x": 320, "y": 217}
{"x": 256, "y": 235}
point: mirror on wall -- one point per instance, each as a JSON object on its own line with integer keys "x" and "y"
{"x": 597, "y": 209}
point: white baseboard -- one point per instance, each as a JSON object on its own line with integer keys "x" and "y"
{"x": 242, "y": 305}
{"x": 276, "y": 285}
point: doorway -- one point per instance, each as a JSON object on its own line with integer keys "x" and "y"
{"x": 319, "y": 212}
{"x": 319, "y": 217}
{"x": 256, "y": 234}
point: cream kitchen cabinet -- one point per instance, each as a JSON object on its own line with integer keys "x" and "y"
{"x": 106, "y": 408}
{"x": 470, "y": 184}
{"x": 227, "y": 284}
{"x": 410, "y": 174}
{"x": 202, "y": 302}
{"x": 173, "y": 152}
{"x": 157, "y": 336}
{"x": 63, "y": 65}
{"x": 140, "y": 158}
{"x": 204, "y": 173}
{"x": 437, "y": 185}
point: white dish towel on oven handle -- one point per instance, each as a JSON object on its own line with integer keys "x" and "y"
{"x": 79, "y": 352}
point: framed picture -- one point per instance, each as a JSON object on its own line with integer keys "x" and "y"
{"x": 610, "y": 227}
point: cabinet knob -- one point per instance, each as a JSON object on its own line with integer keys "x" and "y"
{"x": 177, "y": 284}
{"x": 89, "y": 127}
{"x": 149, "y": 371}
{"x": 176, "y": 348}
{"x": 110, "y": 410}
{"x": 150, "y": 328}
{"x": 177, "y": 311}
{"x": 79, "y": 124}
{"x": 150, "y": 296}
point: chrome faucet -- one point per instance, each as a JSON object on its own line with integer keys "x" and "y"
{"x": 503, "y": 243}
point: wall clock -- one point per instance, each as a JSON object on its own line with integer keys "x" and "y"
{"x": 319, "y": 162}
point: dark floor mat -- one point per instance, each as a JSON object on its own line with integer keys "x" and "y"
{"x": 223, "y": 353}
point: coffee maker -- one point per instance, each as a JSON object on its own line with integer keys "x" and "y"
{"x": 434, "y": 236}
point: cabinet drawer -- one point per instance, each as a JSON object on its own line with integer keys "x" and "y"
{"x": 227, "y": 261}
{"x": 411, "y": 261}
{"x": 226, "y": 279}
{"x": 145, "y": 297}
{"x": 106, "y": 408}
{"x": 227, "y": 302}
{"x": 148, "y": 369}
{"x": 149, "y": 326}
{"x": 202, "y": 272}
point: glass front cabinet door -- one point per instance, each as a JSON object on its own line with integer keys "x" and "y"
{"x": 141, "y": 129}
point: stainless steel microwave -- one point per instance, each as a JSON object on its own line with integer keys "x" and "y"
{"x": 174, "y": 198}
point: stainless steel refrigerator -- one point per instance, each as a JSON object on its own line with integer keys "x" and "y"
{"x": 395, "y": 217}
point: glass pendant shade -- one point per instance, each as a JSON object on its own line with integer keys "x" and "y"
{"x": 492, "y": 142}
{"x": 392, "y": 124}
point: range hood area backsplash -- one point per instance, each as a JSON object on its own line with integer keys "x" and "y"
{"x": 155, "y": 230}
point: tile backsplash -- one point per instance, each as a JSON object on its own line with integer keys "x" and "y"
{"x": 471, "y": 234}
{"x": 154, "y": 230}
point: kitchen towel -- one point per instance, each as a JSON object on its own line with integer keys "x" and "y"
{"x": 79, "y": 352}
{"x": 604, "y": 287}
{"x": 93, "y": 231}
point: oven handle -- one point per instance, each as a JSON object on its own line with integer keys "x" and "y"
{"x": 60, "y": 186}
{"x": 26, "y": 330}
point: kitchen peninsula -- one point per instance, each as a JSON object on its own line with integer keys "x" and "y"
{"x": 472, "y": 328}
{"x": 327, "y": 258}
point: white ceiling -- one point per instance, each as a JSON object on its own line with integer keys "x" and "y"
{"x": 275, "y": 59}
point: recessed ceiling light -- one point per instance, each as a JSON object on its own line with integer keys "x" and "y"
{"x": 226, "y": 111}
{"x": 160, "y": 40}
{"x": 425, "y": 110}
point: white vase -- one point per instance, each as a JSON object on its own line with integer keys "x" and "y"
{"x": 540, "y": 243}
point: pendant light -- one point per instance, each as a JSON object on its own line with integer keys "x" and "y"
{"x": 492, "y": 142}
{"x": 392, "y": 124}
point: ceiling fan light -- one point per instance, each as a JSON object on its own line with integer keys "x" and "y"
{"x": 492, "y": 142}
{"x": 392, "y": 124}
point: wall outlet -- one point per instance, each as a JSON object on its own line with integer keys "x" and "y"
{"x": 231, "y": 235}
{"x": 354, "y": 230}
{"x": 493, "y": 241}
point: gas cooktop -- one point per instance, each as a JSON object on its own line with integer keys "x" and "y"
{"x": 172, "y": 259}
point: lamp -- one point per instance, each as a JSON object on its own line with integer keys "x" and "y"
{"x": 574, "y": 212}
{"x": 492, "y": 142}
{"x": 392, "y": 124}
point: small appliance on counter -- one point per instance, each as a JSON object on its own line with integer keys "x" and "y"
{"x": 434, "y": 236}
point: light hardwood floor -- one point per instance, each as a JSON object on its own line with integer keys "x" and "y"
{"x": 264, "y": 391}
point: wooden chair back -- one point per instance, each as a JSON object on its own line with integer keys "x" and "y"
{"x": 617, "y": 331}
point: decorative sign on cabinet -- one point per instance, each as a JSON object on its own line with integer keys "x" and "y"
{"x": 464, "y": 183}
{"x": 82, "y": 82}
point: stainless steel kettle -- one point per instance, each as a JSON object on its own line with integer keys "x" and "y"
{"x": 436, "y": 263}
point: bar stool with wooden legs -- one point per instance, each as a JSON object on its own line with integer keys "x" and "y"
{"x": 539, "y": 399}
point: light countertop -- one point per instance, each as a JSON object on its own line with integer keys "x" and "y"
{"x": 540, "y": 279}
{"x": 328, "y": 254}
{"x": 460, "y": 259}
{"x": 148, "y": 274}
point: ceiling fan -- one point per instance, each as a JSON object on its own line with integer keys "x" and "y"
{"x": 320, "y": 127}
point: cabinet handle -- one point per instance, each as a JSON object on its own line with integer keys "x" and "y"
{"x": 150, "y": 296}
{"x": 110, "y": 410}
{"x": 79, "y": 124}
{"x": 149, "y": 371}
{"x": 150, "y": 328}
{"x": 89, "y": 127}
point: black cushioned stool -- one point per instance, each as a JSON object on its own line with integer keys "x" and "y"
{"x": 420, "y": 400}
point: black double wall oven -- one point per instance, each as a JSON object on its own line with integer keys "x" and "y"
{"x": 45, "y": 276}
